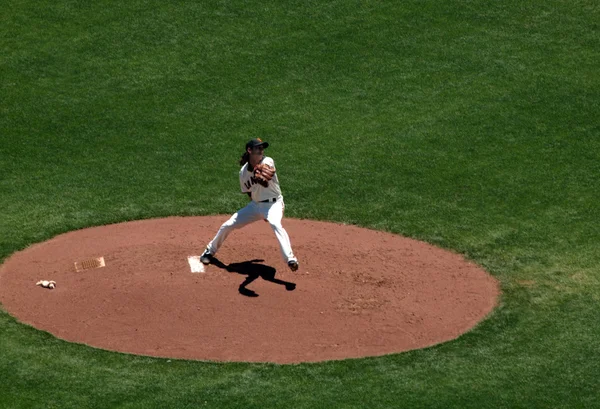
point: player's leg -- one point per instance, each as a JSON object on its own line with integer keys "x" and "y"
{"x": 241, "y": 218}
{"x": 274, "y": 214}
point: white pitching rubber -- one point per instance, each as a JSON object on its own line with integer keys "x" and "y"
{"x": 195, "y": 264}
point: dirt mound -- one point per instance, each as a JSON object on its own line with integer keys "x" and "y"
{"x": 358, "y": 292}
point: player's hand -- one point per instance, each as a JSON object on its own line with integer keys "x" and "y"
{"x": 264, "y": 173}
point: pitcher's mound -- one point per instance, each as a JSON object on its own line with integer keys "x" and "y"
{"x": 358, "y": 292}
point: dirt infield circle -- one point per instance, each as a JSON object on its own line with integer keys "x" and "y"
{"x": 358, "y": 292}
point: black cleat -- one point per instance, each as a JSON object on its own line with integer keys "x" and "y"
{"x": 293, "y": 265}
{"x": 206, "y": 257}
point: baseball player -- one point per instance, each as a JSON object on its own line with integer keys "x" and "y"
{"x": 258, "y": 179}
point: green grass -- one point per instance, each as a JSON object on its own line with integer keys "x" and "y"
{"x": 471, "y": 125}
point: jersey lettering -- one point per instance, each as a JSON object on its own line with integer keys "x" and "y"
{"x": 253, "y": 181}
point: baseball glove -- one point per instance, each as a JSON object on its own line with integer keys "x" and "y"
{"x": 264, "y": 173}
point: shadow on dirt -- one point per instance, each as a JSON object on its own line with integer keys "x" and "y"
{"x": 253, "y": 270}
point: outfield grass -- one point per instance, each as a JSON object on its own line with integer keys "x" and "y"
{"x": 471, "y": 125}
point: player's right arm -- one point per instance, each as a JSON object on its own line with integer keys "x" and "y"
{"x": 242, "y": 185}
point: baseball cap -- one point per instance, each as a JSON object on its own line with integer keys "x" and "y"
{"x": 253, "y": 143}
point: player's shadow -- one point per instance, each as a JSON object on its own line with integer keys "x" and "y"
{"x": 253, "y": 271}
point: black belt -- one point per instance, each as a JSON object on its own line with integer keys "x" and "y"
{"x": 269, "y": 200}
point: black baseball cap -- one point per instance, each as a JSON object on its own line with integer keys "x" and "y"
{"x": 253, "y": 143}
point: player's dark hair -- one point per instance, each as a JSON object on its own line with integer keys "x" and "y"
{"x": 245, "y": 158}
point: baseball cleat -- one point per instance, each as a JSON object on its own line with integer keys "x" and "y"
{"x": 206, "y": 257}
{"x": 293, "y": 265}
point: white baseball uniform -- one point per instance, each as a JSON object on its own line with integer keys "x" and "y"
{"x": 266, "y": 204}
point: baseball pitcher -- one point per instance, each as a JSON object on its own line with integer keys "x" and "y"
{"x": 258, "y": 179}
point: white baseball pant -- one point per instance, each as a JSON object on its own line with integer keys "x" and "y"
{"x": 270, "y": 211}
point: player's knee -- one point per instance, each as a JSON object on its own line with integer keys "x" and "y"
{"x": 231, "y": 223}
{"x": 275, "y": 225}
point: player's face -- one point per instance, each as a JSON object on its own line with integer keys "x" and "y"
{"x": 256, "y": 154}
